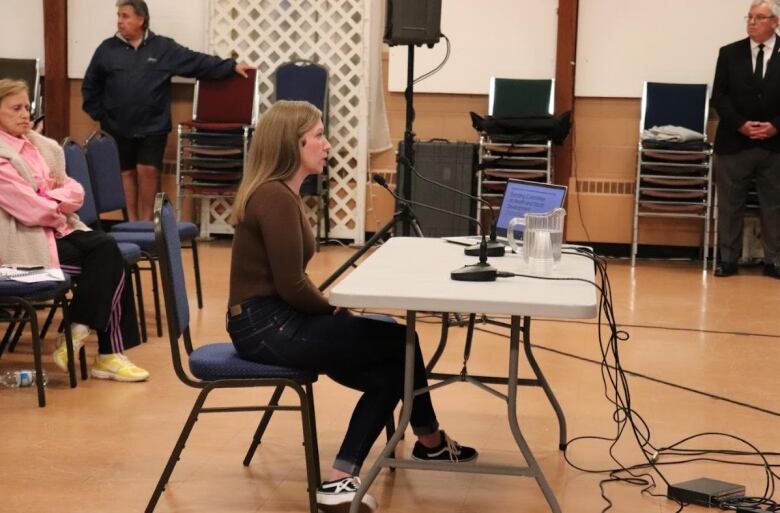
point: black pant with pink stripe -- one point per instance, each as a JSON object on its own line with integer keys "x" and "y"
{"x": 103, "y": 298}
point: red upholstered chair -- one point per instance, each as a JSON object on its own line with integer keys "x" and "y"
{"x": 212, "y": 146}
{"x": 226, "y": 104}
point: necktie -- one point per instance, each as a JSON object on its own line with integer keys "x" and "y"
{"x": 759, "y": 71}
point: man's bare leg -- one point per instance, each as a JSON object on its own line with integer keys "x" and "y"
{"x": 129, "y": 184}
{"x": 148, "y": 186}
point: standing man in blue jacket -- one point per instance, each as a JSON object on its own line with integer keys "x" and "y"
{"x": 127, "y": 88}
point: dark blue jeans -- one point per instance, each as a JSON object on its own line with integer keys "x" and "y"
{"x": 361, "y": 353}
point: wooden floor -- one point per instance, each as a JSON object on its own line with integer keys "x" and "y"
{"x": 101, "y": 447}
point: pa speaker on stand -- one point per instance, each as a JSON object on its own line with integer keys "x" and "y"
{"x": 413, "y": 22}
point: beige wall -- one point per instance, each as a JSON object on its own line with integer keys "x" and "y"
{"x": 601, "y": 191}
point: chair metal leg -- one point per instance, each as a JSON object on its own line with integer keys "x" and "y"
{"x": 314, "y": 442}
{"x": 49, "y": 318}
{"x": 36, "y": 344}
{"x": 156, "y": 296}
{"x": 69, "y": 344}
{"x": 390, "y": 431}
{"x": 139, "y": 294}
{"x": 263, "y": 425}
{"x": 9, "y": 330}
{"x": 310, "y": 446}
{"x": 177, "y": 449}
{"x": 196, "y": 269}
{"x": 83, "y": 363}
{"x": 17, "y": 335}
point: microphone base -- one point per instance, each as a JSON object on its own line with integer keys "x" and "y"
{"x": 475, "y": 272}
{"x": 494, "y": 249}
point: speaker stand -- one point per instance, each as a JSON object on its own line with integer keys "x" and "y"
{"x": 405, "y": 216}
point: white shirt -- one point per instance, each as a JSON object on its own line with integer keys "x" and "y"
{"x": 769, "y": 46}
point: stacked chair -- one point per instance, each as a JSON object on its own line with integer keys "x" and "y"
{"x": 516, "y": 137}
{"x": 212, "y": 147}
{"x": 674, "y": 179}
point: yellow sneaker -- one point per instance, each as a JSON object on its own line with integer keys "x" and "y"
{"x": 118, "y": 367}
{"x": 60, "y": 355}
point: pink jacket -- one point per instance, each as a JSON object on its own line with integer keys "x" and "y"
{"x": 54, "y": 197}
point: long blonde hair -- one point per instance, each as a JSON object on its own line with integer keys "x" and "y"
{"x": 275, "y": 150}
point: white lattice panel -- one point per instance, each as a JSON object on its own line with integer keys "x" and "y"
{"x": 267, "y": 33}
{"x": 214, "y": 214}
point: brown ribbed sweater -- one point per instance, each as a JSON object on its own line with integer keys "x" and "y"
{"x": 271, "y": 247}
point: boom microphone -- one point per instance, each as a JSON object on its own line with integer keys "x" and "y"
{"x": 480, "y": 271}
{"x": 494, "y": 248}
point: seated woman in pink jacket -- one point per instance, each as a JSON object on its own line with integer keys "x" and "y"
{"x": 38, "y": 226}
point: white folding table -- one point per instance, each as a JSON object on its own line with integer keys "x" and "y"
{"x": 413, "y": 274}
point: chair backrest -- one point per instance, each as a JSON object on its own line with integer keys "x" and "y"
{"x": 77, "y": 168}
{"x": 171, "y": 267}
{"x": 28, "y": 70}
{"x": 105, "y": 172}
{"x": 683, "y": 105}
{"x": 518, "y": 97}
{"x": 302, "y": 80}
{"x": 228, "y": 100}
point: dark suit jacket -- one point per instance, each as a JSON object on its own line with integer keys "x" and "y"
{"x": 739, "y": 97}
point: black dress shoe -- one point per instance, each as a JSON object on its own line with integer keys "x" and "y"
{"x": 772, "y": 270}
{"x": 724, "y": 269}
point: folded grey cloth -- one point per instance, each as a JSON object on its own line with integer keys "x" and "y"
{"x": 671, "y": 133}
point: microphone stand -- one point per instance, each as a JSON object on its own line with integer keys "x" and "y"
{"x": 494, "y": 248}
{"x": 404, "y": 215}
{"x": 480, "y": 271}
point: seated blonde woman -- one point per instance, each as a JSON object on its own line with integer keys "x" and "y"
{"x": 277, "y": 316}
{"x": 38, "y": 226}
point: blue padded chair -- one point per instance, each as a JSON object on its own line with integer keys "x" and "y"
{"x": 675, "y": 104}
{"x": 217, "y": 365}
{"x": 77, "y": 168}
{"x": 23, "y": 298}
{"x": 105, "y": 172}
{"x": 105, "y": 175}
{"x": 308, "y": 81}
{"x": 674, "y": 179}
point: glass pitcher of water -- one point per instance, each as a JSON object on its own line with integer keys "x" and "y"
{"x": 542, "y": 239}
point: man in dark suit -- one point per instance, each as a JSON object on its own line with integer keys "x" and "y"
{"x": 746, "y": 94}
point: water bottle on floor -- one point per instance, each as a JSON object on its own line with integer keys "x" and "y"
{"x": 20, "y": 378}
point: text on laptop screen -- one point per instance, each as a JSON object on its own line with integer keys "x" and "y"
{"x": 521, "y": 197}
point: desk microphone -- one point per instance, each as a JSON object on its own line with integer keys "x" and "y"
{"x": 480, "y": 271}
{"x": 494, "y": 248}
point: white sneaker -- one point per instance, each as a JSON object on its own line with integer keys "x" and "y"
{"x": 78, "y": 333}
{"x": 336, "y": 496}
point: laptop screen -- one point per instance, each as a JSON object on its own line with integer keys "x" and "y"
{"x": 521, "y": 197}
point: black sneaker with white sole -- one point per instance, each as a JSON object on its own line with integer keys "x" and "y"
{"x": 447, "y": 450}
{"x": 336, "y": 496}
